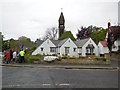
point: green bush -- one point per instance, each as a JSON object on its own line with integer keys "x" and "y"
{"x": 32, "y": 58}
{"x": 100, "y": 58}
{"x": 64, "y": 57}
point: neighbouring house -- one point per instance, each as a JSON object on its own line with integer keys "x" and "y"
{"x": 116, "y": 45}
{"x": 113, "y": 35}
{"x": 102, "y": 48}
{"x": 66, "y": 47}
{"x": 87, "y": 47}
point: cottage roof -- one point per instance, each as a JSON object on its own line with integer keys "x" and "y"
{"x": 55, "y": 42}
{"x": 81, "y": 42}
{"x": 39, "y": 42}
{"x": 62, "y": 42}
{"x": 104, "y": 43}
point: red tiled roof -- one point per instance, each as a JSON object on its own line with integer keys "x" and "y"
{"x": 104, "y": 43}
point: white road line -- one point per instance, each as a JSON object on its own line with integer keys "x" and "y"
{"x": 45, "y": 84}
{"x": 65, "y": 84}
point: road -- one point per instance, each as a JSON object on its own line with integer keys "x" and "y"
{"x": 24, "y": 77}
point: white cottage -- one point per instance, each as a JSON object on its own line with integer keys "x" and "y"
{"x": 102, "y": 48}
{"x": 45, "y": 47}
{"x": 68, "y": 47}
{"x": 87, "y": 47}
{"x": 58, "y": 47}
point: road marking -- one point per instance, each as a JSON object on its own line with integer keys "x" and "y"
{"x": 14, "y": 85}
{"x": 65, "y": 84}
{"x": 45, "y": 84}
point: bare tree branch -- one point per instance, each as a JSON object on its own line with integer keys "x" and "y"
{"x": 51, "y": 33}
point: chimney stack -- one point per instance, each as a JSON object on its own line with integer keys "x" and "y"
{"x": 109, "y": 25}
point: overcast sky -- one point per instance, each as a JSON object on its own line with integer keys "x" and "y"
{"x": 31, "y": 18}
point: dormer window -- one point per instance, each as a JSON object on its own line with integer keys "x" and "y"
{"x": 42, "y": 49}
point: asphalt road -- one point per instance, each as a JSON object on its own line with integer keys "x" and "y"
{"x": 24, "y": 77}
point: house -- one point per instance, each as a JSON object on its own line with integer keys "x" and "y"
{"x": 45, "y": 47}
{"x": 113, "y": 37}
{"x": 66, "y": 47}
{"x": 87, "y": 47}
{"x": 57, "y": 47}
{"x": 102, "y": 48}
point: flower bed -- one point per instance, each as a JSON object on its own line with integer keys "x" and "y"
{"x": 38, "y": 59}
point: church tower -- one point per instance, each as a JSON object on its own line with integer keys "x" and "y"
{"x": 61, "y": 24}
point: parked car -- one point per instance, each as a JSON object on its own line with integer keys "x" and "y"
{"x": 50, "y": 58}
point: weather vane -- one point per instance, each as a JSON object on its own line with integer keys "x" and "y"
{"x": 61, "y": 9}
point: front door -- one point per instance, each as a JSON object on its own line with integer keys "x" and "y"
{"x": 66, "y": 51}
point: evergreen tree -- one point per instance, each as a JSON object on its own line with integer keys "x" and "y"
{"x": 67, "y": 34}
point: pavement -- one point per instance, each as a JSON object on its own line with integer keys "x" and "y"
{"x": 114, "y": 65}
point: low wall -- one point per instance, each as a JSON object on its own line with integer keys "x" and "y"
{"x": 113, "y": 56}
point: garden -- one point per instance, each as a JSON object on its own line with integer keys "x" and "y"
{"x": 66, "y": 60}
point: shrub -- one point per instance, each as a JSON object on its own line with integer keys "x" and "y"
{"x": 64, "y": 57}
{"x": 82, "y": 57}
{"x": 72, "y": 57}
{"x": 32, "y": 58}
{"x": 100, "y": 58}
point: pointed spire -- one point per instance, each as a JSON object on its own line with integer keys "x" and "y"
{"x": 61, "y": 18}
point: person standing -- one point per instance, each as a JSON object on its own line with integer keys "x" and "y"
{"x": 11, "y": 55}
{"x": 14, "y": 56}
{"x": 22, "y": 54}
{"x": 7, "y": 55}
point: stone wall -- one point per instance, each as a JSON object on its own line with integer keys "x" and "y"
{"x": 113, "y": 56}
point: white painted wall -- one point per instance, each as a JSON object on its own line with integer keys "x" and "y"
{"x": 79, "y": 50}
{"x": 102, "y": 49}
{"x": 46, "y": 48}
{"x": 71, "y": 44}
{"x": 116, "y": 43}
{"x": 90, "y": 41}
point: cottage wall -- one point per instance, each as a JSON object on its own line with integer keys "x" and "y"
{"x": 90, "y": 41}
{"x": 46, "y": 48}
{"x": 69, "y": 43}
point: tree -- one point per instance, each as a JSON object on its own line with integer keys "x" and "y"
{"x": 4, "y": 44}
{"x": 67, "y": 34}
{"x": 51, "y": 33}
{"x": 83, "y": 33}
{"x": 22, "y": 43}
{"x": 96, "y": 33}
